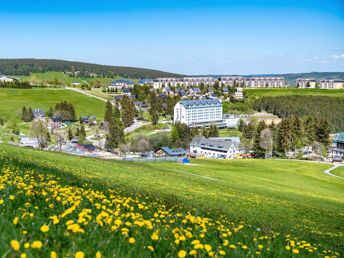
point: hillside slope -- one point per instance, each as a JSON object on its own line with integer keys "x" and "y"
{"x": 27, "y": 66}
{"x": 276, "y": 195}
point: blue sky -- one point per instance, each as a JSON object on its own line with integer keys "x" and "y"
{"x": 189, "y": 37}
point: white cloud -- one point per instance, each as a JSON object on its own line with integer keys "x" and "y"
{"x": 338, "y": 56}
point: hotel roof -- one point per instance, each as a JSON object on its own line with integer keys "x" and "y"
{"x": 200, "y": 103}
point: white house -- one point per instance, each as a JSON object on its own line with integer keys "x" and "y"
{"x": 28, "y": 142}
{"x": 239, "y": 94}
{"x": 332, "y": 84}
{"x": 198, "y": 113}
{"x": 4, "y": 78}
{"x": 232, "y": 121}
{"x": 215, "y": 147}
{"x": 306, "y": 83}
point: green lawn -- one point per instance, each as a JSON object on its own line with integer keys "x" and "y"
{"x": 338, "y": 172}
{"x": 12, "y": 101}
{"x": 65, "y": 79}
{"x": 288, "y": 196}
{"x": 253, "y": 93}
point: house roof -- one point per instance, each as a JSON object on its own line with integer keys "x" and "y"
{"x": 174, "y": 152}
{"x": 124, "y": 81}
{"x": 214, "y": 143}
{"x": 38, "y": 112}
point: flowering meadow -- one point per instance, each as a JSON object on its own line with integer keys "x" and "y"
{"x": 47, "y": 213}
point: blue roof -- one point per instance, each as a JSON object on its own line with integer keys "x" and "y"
{"x": 126, "y": 81}
{"x": 174, "y": 152}
{"x": 200, "y": 102}
{"x": 143, "y": 81}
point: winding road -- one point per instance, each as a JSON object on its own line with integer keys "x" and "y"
{"x": 328, "y": 171}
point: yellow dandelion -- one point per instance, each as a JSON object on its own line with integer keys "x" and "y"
{"x": 155, "y": 237}
{"x": 79, "y": 254}
{"x": 150, "y": 248}
{"x": 131, "y": 240}
{"x": 27, "y": 245}
{"x": 15, "y": 245}
{"x": 36, "y": 244}
{"x": 15, "y": 221}
{"x": 296, "y": 251}
{"x": 44, "y": 228}
{"x": 181, "y": 254}
{"x": 98, "y": 254}
{"x": 53, "y": 254}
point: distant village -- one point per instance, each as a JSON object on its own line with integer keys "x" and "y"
{"x": 192, "y": 102}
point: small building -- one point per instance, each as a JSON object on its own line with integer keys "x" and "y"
{"x": 38, "y": 113}
{"x": 337, "y": 148}
{"x": 332, "y": 84}
{"x": 305, "y": 83}
{"x": 88, "y": 119}
{"x": 141, "y": 105}
{"x": 28, "y": 142}
{"x": 145, "y": 82}
{"x": 126, "y": 91}
{"x": 232, "y": 120}
{"x": 167, "y": 152}
{"x": 4, "y": 78}
{"x": 86, "y": 147}
{"x": 215, "y": 147}
{"x": 57, "y": 118}
{"x": 239, "y": 94}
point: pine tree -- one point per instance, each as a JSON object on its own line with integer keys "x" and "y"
{"x": 259, "y": 152}
{"x": 322, "y": 131}
{"x": 128, "y": 111}
{"x": 108, "y": 112}
{"x": 70, "y": 134}
{"x": 241, "y": 125}
{"x": 82, "y": 135}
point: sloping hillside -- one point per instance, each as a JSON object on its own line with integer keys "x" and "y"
{"x": 27, "y": 66}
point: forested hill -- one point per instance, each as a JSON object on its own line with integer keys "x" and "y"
{"x": 27, "y": 66}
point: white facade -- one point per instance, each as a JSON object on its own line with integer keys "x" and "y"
{"x": 186, "y": 81}
{"x": 197, "y": 112}
{"x": 6, "y": 79}
{"x": 254, "y": 82}
{"x": 215, "y": 147}
{"x": 232, "y": 121}
{"x": 332, "y": 84}
{"x": 306, "y": 83}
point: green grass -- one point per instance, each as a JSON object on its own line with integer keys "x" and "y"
{"x": 287, "y": 196}
{"x": 46, "y": 77}
{"x": 338, "y": 172}
{"x": 253, "y": 93}
{"x": 229, "y": 133}
{"x": 12, "y": 101}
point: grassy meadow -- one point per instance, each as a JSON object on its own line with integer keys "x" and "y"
{"x": 12, "y": 101}
{"x": 240, "y": 207}
{"x": 259, "y": 92}
{"x": 65, "y": 79}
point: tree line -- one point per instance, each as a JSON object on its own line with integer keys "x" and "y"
{"x": 291, "y": 135}
{"x": 16, "y": 85}
{"x": 327, "y": 107}
{"x": 27, "y": 66}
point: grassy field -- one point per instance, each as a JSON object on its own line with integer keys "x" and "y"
{"x": 12, "y": 101}
{"x": 338, "y": 172}
{"x": 47, "y": 77}
{"x": 289, "y": 197}
{"x": 253, "y": 93}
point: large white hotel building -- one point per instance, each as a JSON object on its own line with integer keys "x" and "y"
{"x": 225, "y": 80}
{"x": 198, "y": 113}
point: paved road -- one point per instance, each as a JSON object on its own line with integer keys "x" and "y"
{"x": 134, "y": 126}
{"x": 328, "y": 171}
